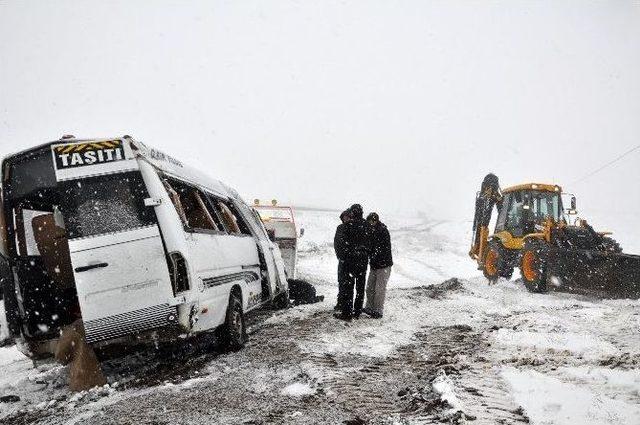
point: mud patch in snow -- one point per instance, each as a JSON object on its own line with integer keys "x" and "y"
{"x": 440, "y": 290}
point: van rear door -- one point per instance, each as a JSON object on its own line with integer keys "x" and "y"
{"x": 117, "y": 254}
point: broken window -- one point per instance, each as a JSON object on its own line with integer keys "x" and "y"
{"x": 233, "y": 219}
{"x": 105, "y": 204}
{"x": 192, "y": 207}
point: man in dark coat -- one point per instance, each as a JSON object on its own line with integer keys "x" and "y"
{"x": 356, "y": 242}
{"x": 339, "y": 246}
{"x": 380, "y": 260}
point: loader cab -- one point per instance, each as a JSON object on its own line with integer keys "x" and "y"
{"x": 525, "y": 209}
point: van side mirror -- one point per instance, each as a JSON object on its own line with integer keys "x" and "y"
{"x": 272, "y": 234}
{"x": 573, "y": 203}
{"x": 301, "y": 231}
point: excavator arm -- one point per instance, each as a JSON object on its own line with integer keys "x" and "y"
{"x": 489, "y": 196}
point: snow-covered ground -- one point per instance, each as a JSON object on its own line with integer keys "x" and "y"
{"x": 443, "y": 351}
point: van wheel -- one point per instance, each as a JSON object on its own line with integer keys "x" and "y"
{"x": 233, "y": 334}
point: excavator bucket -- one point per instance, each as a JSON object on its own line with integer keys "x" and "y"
{"x": 581, "y": 260}
{"x": 606, "y": 274}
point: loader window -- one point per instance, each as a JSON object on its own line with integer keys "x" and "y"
{"x": 502, "y": 214}
{"x": 545, "y": 205}
{"x": 515, "y": 215}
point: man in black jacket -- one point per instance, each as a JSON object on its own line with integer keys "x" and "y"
{"x": 339, "y": 246}
{"x": 356, "y": 246}
{"x": 381, "y": 261}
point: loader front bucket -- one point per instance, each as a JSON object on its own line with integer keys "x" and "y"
{"x": 606, "y": 274}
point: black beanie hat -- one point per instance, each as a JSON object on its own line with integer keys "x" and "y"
{"x": 356, "y": 210}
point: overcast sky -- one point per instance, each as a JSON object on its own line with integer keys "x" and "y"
{"x": 400, "y": 105}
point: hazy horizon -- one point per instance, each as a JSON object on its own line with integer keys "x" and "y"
{"x": 403, "y": 107}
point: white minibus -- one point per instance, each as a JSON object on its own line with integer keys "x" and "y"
{"x": 131, "y": 241}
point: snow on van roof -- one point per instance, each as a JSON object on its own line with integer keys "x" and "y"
{"x": 177, "y": 168}
{"x": 155, "y": 157}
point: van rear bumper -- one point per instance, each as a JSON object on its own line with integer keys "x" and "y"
{"x": 132, "y": 322}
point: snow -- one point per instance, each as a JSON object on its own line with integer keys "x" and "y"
{"x": 578, "y": 332}
{"x": 562, "y": 358}
{"x": 375, "y": 338}
{"x": 298, "y": 389}
{"x": 9, "y": 355}
{"x": 550, "y": 342}
{"x": 444, "y": 386}
{"x": 551, "y": 401}
{"x": 610, "y": 380}
{"x": 4, "y": 332}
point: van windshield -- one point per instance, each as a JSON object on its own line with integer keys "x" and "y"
{"x": 105, "y": 204}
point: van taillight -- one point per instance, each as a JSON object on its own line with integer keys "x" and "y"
{"x": 178, "y": 272}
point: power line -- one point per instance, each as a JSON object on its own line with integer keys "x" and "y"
{"x": 607, "y": 164}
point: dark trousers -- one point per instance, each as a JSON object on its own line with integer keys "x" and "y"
{"x": 342, "y": 277}
{"x": 353, "y": 275}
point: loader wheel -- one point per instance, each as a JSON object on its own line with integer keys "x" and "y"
{"x": 497, "y": 262}
{"x": 533, "y": 266}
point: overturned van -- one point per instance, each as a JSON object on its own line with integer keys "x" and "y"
{"x": 132, "y": 242}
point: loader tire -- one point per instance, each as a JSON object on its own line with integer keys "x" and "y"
{"x": 611, "y": 245}
{"x": 497, "y": 262}
{"x": 533, "y": 264}
{"x": 233, "y": 334}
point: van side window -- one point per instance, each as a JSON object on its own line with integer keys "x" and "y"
{"x": 232, "y": 220}
{"x": 175, "y": 199}
{"x": 238, "y": 219}
{"x": 191, "y": 206}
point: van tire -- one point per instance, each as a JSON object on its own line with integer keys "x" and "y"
{"x": 281, "y": 301}
{"x": 233, "y": 334}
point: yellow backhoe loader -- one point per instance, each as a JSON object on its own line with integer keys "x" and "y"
{"x": 533, "y": 232}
